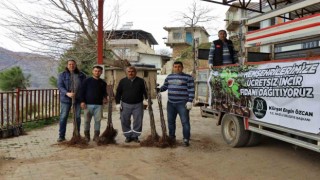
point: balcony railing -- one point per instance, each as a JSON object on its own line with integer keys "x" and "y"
{"x": 28, "y": 105}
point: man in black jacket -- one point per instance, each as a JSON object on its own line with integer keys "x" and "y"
{"x": 93, "y": 95}
{"x": 129, "y": 100}
{"x": 222, "y": 51}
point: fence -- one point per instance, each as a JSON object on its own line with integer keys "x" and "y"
{"x": 28, "y": 105}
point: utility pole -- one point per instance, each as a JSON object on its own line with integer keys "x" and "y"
{"x": 195, "y": 56}
{"x": 100, "y": 40}
{"x": 100, "y": 32}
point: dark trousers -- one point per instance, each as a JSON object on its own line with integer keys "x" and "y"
{"x": 136, "y": 111}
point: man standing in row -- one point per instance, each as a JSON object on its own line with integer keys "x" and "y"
{"x": 130, "y": 94}
{"x": 93, "y": 94}
{"x": 69, "y": 84}
{"x": 180, "y": 88}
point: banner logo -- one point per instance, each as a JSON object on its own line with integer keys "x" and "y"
{"x": 259, "y": 107}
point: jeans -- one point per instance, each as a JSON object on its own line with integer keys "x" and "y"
{"x": 172, "y": 110}
{"x": 95, "y": 111}
{"x": 64, "y": 112}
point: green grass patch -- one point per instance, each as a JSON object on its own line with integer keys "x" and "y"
{"x": 205, "y": 45}
{"x": 28, "y": 126}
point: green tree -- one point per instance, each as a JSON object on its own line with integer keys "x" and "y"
{"x": 83, "y": 52}
{"x": 53, "y": 81}
{"x": 13, "y": 78}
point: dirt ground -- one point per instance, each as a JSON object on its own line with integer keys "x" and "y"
{"x": 207, "y": 157}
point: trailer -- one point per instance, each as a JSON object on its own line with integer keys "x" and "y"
{"x": 278, "y": 97}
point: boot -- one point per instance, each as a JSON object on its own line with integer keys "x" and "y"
{"x": 87, "y": 135}
{"x": 96, "y": 136}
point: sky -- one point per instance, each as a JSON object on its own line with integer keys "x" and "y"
{"x": 147, "y": 15}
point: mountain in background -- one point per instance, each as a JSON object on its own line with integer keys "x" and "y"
{"x": 38, "y": 66}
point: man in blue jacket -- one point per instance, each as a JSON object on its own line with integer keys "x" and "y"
{"x": 69, "y": 84}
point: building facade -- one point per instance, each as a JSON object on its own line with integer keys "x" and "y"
{"x": 180, "y": 38}
{"x": 136, "y": 46}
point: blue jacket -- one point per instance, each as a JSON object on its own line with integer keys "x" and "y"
{"x": 180, "y": 87}
{"x": 64, "y": 85}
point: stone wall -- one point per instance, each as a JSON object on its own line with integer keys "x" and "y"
{"x": 178, "y": 49}
{"x": 167, "y": 68}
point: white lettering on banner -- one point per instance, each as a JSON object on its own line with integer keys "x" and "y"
{"x": 275, "y": 81}
{"x": 290, "y": 92}
{"x": 286, "y": 81}
{"x": 304, "y": 68}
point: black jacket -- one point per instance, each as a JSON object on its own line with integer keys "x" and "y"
{"x": 131, "y": 92}
{"x": 93, "y": 91}
{"x": 218, "y": 52}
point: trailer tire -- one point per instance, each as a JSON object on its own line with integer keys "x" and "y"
{"x": 233, "y": 131}
{"x": 254, "y": 139}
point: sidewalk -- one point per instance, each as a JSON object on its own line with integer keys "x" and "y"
{"x": 41, "y": 144}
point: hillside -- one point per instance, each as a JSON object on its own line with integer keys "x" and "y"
{"x": 38, "y": 66}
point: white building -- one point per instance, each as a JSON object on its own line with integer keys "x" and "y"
{"x": 136, "y": 46}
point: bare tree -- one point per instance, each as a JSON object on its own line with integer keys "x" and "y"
{"x": 51, "y": 27}
{"x": 164, "y": 52}
{"x": 195, "y": 15}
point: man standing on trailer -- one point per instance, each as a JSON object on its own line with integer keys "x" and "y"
{"x": 221, "y": 51}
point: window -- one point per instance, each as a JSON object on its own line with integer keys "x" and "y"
{"x": 177, "y": 35}
{"x": 310, "y": 44}
{"x": 297, "y": 46}
{"x": 123, "y": 52}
